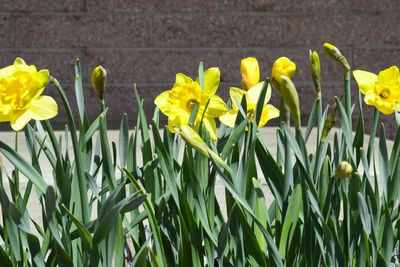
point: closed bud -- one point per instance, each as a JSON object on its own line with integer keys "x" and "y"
{"x": 192, "y": 138}
{"x": 250, "y": 72}
{"x": 330, "y": 121}
{"x": 283, "y": 66}
{"x": 315, "y": 68}
{"x": 343, "y": 170}
{"x": 333, "y": 52}
{"x": 291, "y": 98}
{"x": 99, "y": 76}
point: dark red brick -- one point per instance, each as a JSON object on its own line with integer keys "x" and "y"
{"x": 286, "y": 6}
{"x": 376, "y": 6}
{"x": 42, "y": 5}
{"x": 82, "y": 31}
{"x": 217, "y": 31}
{"x": 342, "y": 30}
{"x": 5, "y": 31}
{"x": 375, "y": 60}
{"x": 152, "y": 5}
{"x": 151, "y": 66}
{"x": 317, "y": 30}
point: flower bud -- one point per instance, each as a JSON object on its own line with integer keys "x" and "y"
{"x": 315, "y": 68}
{"x": 343, "y": 170}
{"x": 194, "y": 140}
{"x": 330, "y": 121}
{"x": 250, "y": 72}
{"x": 99, "y": 76}
{"x": 333, "y": 52}
{"x": 283, "y": 66}
{"x": 291, "y": 98}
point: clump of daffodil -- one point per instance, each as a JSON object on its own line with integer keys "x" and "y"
{"x": 250, "y": 72}
{"x": 282, "y": 66}
{"x": 99, "y": 77}
{"x": 343, "y": 170}
{"x": 179, "y": 102}
{"x": 20, "y": 95}
{"x": 382, "y": 90}
{"x": 252, "y": 95}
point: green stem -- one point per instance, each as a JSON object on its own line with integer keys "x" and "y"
{"x": 284, "y": 112}
{"x": 347, "y": 95}
{"x": 16, "y": 174}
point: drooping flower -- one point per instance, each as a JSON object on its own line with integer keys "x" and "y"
{"x": 283, "y": 66}
{"x": 20, "y": 95}
{"x": 382, "y": 90}
{"x": 179, "y": 102}
{"x": 250, "y": 72}
{"x": 268, "y": 111}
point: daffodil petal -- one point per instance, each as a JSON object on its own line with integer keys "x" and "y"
{"x": 19, "y": 61}
{"x": 369, "y": 98}
{"x": 366, "y": 80}
{"x": 268, "y": 112}
{"x": 216, "y": 107}
{"x": 4, "y": 113}
{"x": 211, "y": 127}
{"x": 236, "y": 96}
{"x": 19, "y": 119}
{"x": 211, "y": 80}
{"x": 254, "y": 93}
{"x": 182, "y": 79}
{"x": 390, "y": 74}
{"x": 161, "y": 102}
{"x": 43, "y": 108}
{"x": 229, "y": 118}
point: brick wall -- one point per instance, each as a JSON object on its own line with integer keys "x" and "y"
{"x": 149, "y": 41}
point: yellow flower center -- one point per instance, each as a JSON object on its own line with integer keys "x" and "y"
{"x": 15, "y": 92}
{"x": 190, "y": 104}
{"x": 384, "y": 93}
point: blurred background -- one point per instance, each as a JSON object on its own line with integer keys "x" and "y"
{"x": 148, "y": 41}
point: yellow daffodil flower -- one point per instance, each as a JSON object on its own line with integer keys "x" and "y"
{"x": 20, "y": 99}
{"x": 268, "y": 111}
{"x": 382, "y": 90}
{"x": 283, "y": 66}
{"x": 178, "y": 102}
{"x": 250, "y": 72}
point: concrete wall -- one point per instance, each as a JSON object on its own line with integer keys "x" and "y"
{"x": 148, "y": 41}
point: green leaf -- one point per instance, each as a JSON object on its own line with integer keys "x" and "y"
{"x": 364, "y": 214}
{"x": 290, "y": 219}
{"x": 383, "y": 161}
{"x": 201, "y": 76}
{"x": 79, "y": 91}
{"x": 81, "y": 228}
{"x": 23, "y": 166}
{"x": 312, "y": 118}
{"x": 123, "y": 140}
